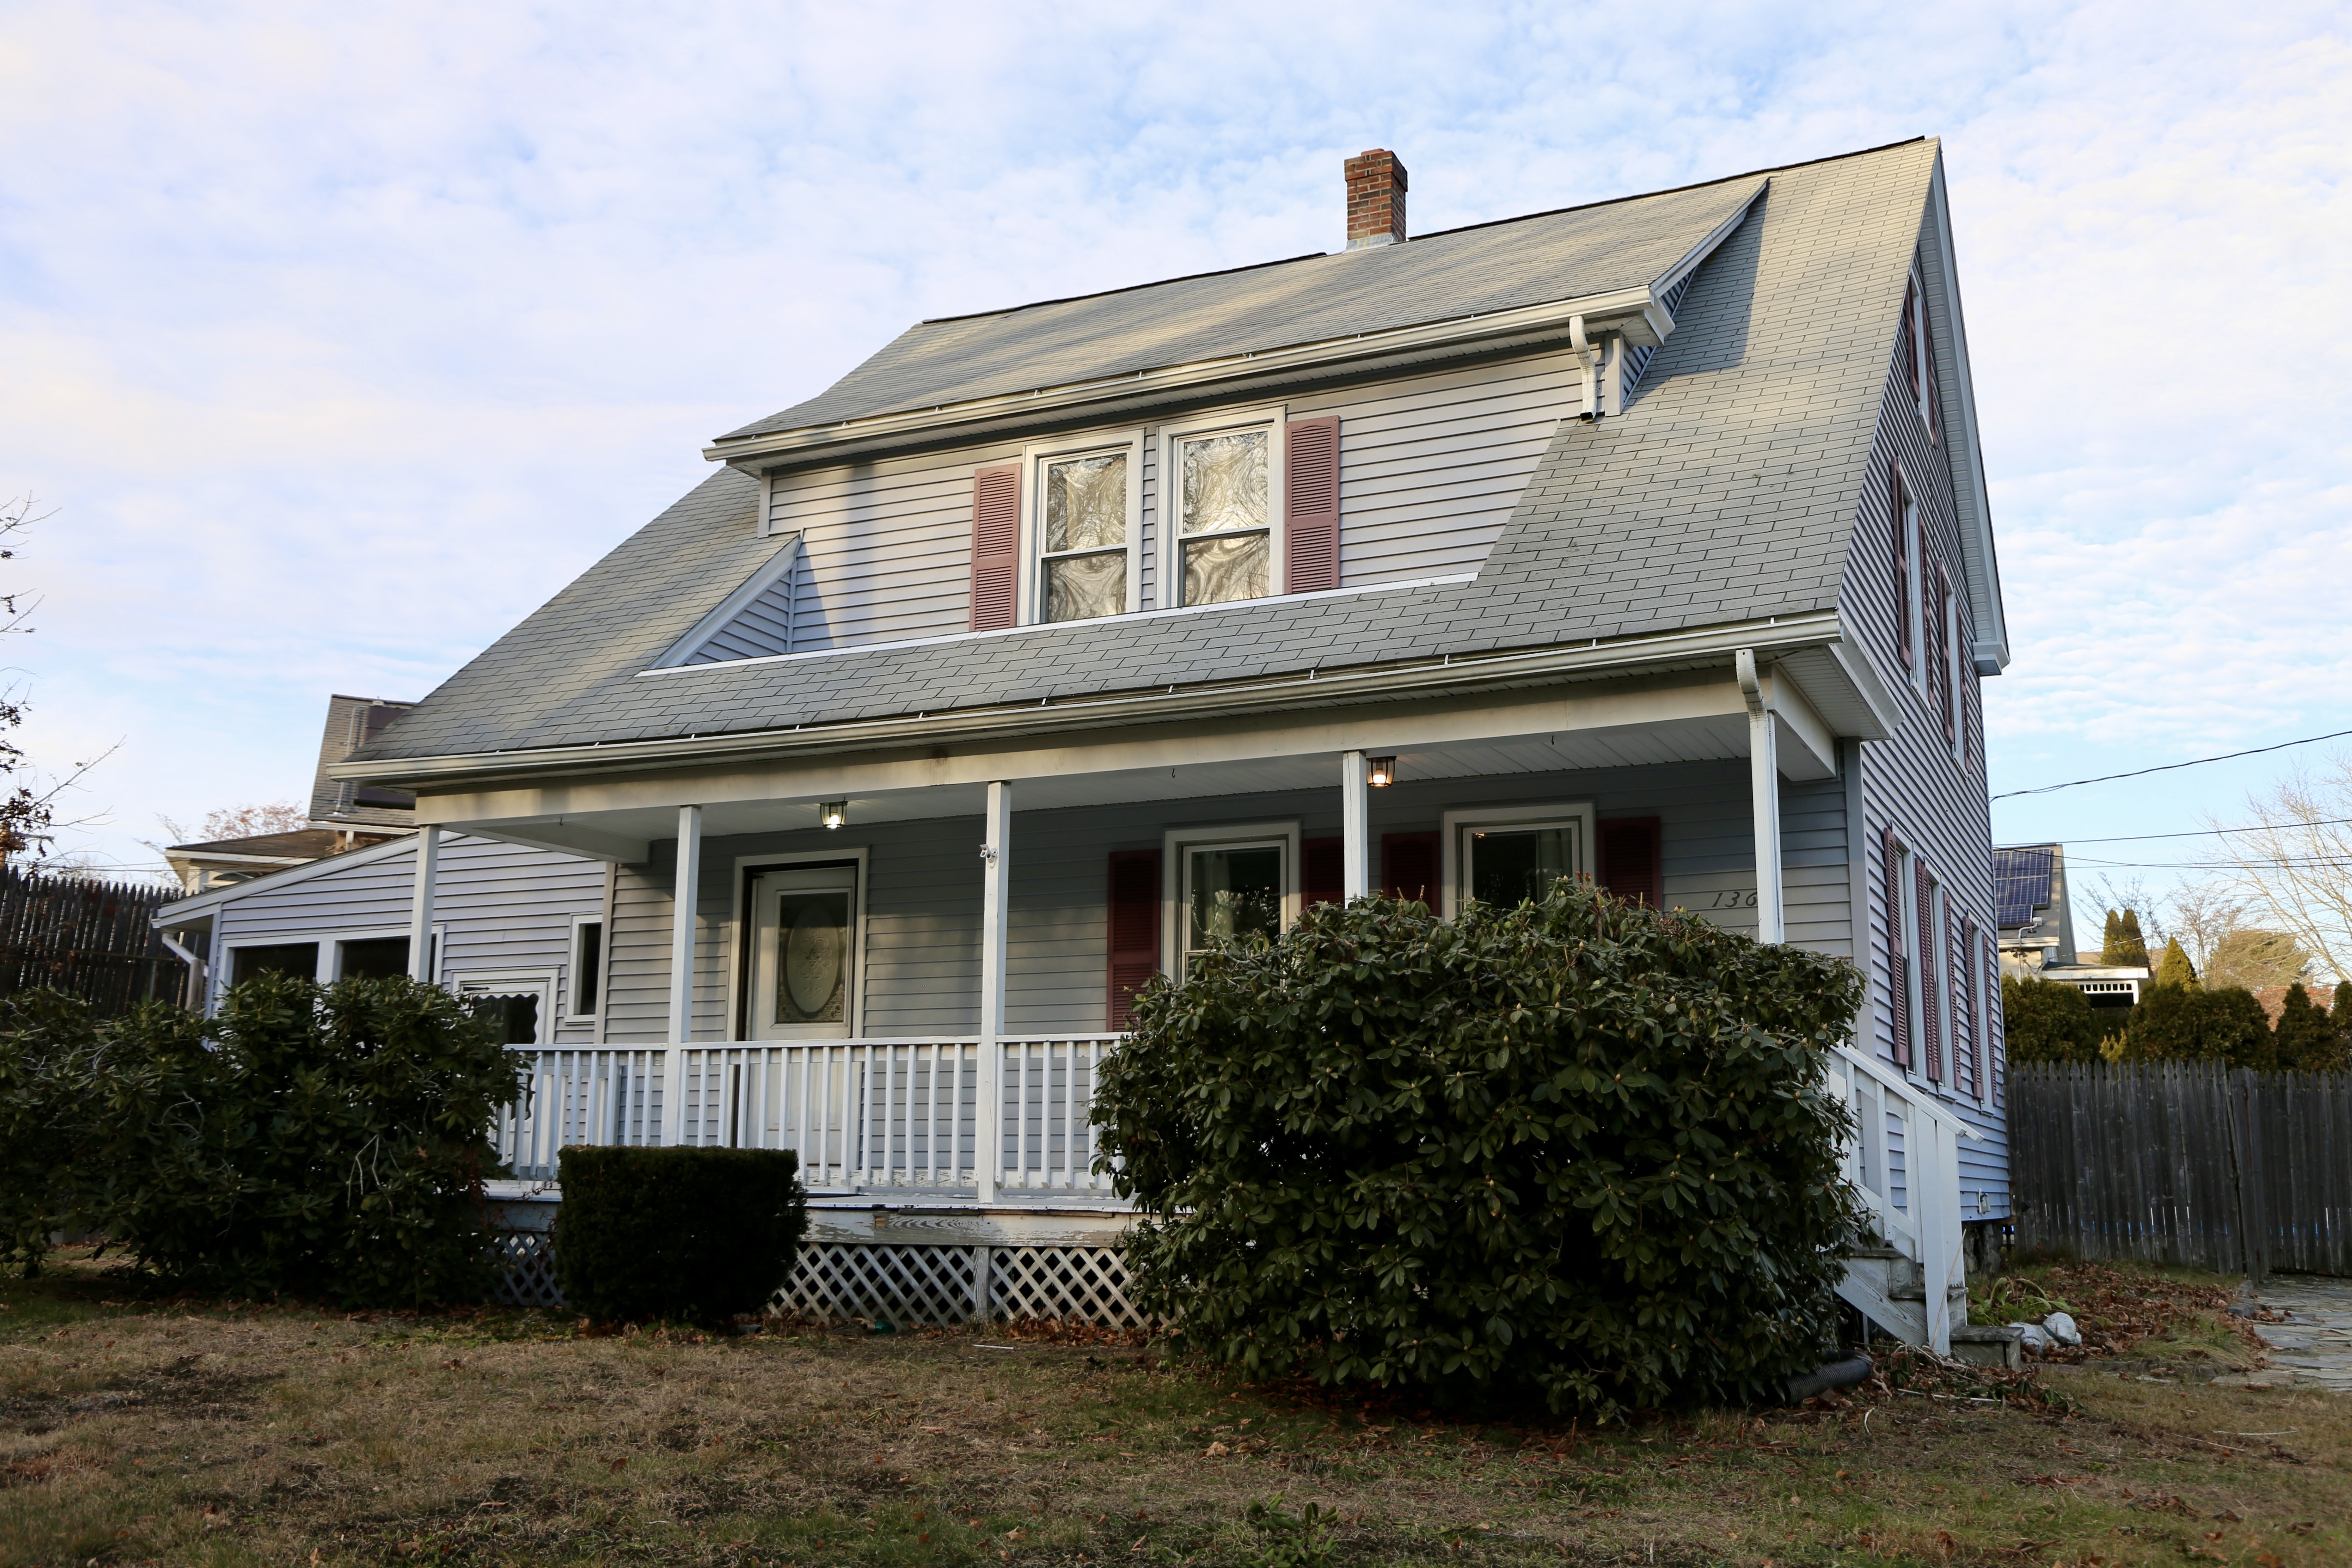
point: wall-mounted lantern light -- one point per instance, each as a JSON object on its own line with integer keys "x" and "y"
{"x": 832, "y": 812}
{"x": 1381, "y": 772}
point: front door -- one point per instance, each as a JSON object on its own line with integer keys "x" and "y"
{"x": 804, "y": 953}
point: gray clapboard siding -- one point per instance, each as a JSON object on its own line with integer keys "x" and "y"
{"x": 922, "y": 899}
{"x": 503, "y": 909}
{"x": 1936, "y": 801}
{"x": 1431, "y": 466}
{"x": 761, "y": 628}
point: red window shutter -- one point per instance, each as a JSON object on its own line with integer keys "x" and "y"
{"x": 1310, "y": 505}
{"x": 1898, "y": 978}
{"x": 1134, "y": 936}
{"x": 1322, "y": 871}
{"x": 1899, "y": 532}
{"x": 995, "y": 547}
{"x": 1931, "y": 1032}
{"x": 1945, "y": 678}
{"x": 1630, "y": 866}
{"x": 1910, "y": 346}
{"x": 1409, "y": 867}
{"x": 1965, "y": 974}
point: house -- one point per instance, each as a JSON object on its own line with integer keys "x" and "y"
{"x": 1645, "y": 541}
{"x": 343, "y": 816}
{"x": 514, "y": 922}
{"x": 2037, "y": 927}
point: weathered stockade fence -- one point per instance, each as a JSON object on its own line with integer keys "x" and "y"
{"x": 2184, "y": 1162}
{"x": 90, "y": 940}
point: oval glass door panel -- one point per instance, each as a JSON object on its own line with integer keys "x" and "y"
{"x": 814, "y": 971}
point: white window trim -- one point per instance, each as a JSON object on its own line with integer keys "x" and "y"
{"x": 329, "y": 945}
{"x": 1034, "y": 459}
{"x": 1169, "y": 565}
{"x": 1174, "y": 906}
{"x": 738, "y": 952}
{"x": 573, "y": 964}
{"x": 1452, "y": 864}
{"x": 486, "y": 982}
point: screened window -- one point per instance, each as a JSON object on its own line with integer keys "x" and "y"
{"x": 1505, "y": 856}
{"x": 375, "y": 958}
{"x": 296, "y": 958}
{"x": 1225, "y": 516}
{"x": 587, "y": 967}
{"x": 1084, "y": 536}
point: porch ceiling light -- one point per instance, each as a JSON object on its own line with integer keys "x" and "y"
{"x": 832, "y": 812}
{"x": 1379, "y": 771}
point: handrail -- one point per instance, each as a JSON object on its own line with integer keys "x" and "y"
{"x": 1904, "y": 1088}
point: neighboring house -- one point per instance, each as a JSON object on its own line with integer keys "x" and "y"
{"x": 1646, "y": 541}
{"x": 2037, "y": 927}
{"x": 509, "y": 922}
{"x": 343, "y": 816}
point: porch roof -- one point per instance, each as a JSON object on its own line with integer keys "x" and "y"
{"x": 1723, "y": 497}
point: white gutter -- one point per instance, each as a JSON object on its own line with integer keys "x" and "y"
{"x": 1314, "y": 687}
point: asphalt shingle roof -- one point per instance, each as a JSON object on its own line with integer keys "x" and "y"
{"x": 1726, "y": 491}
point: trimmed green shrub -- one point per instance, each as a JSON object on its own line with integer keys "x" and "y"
{"x": 687, "y": 1235}
{"x": 1579, "y": 1148}
{"x": 324, "y": 1140}
{"x": 2174, "y": 968}
{"x": 2050, "y": 1021}
{"x": 2224, "y": 1024}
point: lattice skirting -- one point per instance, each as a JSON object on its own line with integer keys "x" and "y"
{"x": 836, "y": 1282}
{"x": 841, "y": 1281}
{"x": 526, "y": 1262}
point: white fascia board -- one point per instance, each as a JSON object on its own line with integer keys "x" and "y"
{"x": 1991, "y": 621}
{"x": 180, "y": 912}
{"x": 762, "y": 578}
{"x": 1702, "y": 250}
{"x": 1306, "y": 689}
{"x": 1633, "y": 311}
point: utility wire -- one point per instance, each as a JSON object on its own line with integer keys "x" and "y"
{"x": 2167, "y": 768}
{"x": 2209, "y": 832}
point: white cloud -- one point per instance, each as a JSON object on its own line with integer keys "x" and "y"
{"x": 343, "y": 336}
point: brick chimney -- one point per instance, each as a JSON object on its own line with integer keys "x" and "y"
{"x": 1375, "y": 199}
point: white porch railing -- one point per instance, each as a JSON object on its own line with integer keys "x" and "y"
{"x": 863, "y": 1114}
{"x": 1915, "y": 1208}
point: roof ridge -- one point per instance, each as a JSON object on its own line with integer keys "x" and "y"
{"x": 1435, "y": 234}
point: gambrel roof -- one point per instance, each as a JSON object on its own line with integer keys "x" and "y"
{"x": 1724, "y": 495}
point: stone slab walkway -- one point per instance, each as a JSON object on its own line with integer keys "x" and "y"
{"x": 2312, "y": 1348}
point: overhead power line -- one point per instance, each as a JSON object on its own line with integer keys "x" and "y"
{"x": 2211, "y": 832}
{"x": 2167, "y": 768}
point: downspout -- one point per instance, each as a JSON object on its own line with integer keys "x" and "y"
{"x": 1588, "y": 368}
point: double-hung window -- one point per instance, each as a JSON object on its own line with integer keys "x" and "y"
{"x": 1084, "y": 527}
{"x": 1508, "y": 855}
{"x": 1225, "y": 488}
{"x": 1232, "y": 884}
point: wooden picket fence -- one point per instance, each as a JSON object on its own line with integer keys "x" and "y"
{"x": 92, "y": 940}
{"x": 2184, "y": 1162}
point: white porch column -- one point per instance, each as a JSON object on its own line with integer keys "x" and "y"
{"x": 1764, "y": 789}
{"x": 420, "y": 906}
{"x": 988, "y": 1123}
{"x": 1355, "y": 832}
{"x": 687, "y": 892}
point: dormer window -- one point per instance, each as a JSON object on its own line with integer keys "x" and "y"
{"x": 1225, "y": 517}
{"x": 1086, "y": 540}
{"x": 1228, "y": 476}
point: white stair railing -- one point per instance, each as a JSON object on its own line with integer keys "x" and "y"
{"x": 1905, "y": 1164}
{"x": 863, "y": 1114}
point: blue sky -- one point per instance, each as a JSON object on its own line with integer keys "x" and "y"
{"x": 339, "y": 337}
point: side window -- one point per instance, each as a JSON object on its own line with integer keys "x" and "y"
{"x": 1898, "y": 947}
{"x": 587, "y": 970}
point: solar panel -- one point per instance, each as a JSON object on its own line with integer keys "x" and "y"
{"x": 2021, "y": 879}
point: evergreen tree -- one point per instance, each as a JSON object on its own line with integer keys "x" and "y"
{"x": 2175, "y": 1024}
{"x": 2112, "y": 943}
{"x": 2173, "y": 969}
{"x": 2340, "y": 1017}
{"x": 2305, "y": 1039}
{"x": 2048, "y": 1021}
{"x": 2135, "y": 944}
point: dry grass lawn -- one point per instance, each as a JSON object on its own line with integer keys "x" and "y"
{"x": 141, "y": 1431}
